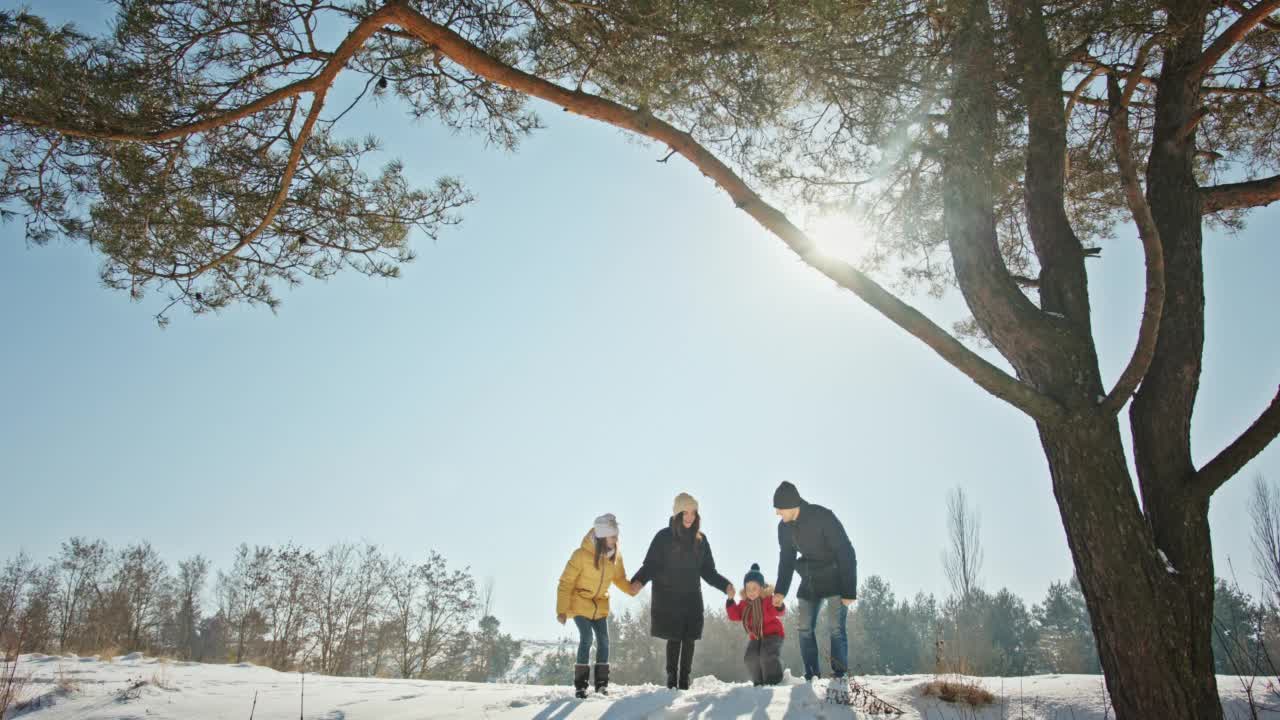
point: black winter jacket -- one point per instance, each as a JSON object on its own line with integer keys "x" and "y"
{"x": 677, "y": 569}
{"x": 827, "y": 565}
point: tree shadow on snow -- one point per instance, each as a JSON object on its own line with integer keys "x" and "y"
{"x": 558, "y": 709}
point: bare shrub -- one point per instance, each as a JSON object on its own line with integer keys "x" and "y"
{"x": 65, "y": 684}
{"x": 160, "y": 678}
{"x": 132, "y": 690}
{"x": 958, "y": 690}
{"x": 13, "y": 684}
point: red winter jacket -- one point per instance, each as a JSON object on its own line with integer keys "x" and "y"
{"x": 772, "y": 623}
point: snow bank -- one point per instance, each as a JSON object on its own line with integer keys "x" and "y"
{"x": 138, "y": 687}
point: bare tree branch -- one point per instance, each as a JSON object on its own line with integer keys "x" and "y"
{"x": 1264, "y": 511}
{"x": 963, "y": 559}
{"x": 1153, "y": 305}
{"x": 1235, "y": 456}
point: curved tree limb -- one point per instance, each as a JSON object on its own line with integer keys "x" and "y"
{"x": 1063, "y": 279}
{"x": 1233, "y": 196}
{"x": 1240, "y": 8}
{"x": 1073, "y": 98}
{"x": 1235, "y": 456}
{"x": 320, "y": 88}
{"x": 988, "y": 376}
{"x": 319, "y": 82}
{"x": 294, "y": 89}
{"x": 1135, "y": 78}
{"x": 1153, "y": 304}
{"x": 985, "y": 374}
{"x": 1222, "y": 44}
{"x": 286, "y": 180}
{"x": 1024, "y": 332}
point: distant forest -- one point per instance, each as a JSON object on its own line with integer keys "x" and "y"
{"x": 356, "y": 610}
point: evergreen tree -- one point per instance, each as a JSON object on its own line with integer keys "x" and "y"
{"x": 1066, "y": 633}
{"x": 1238, "y": 626}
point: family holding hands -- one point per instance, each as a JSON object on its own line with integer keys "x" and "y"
{"x": 811, "y": 541}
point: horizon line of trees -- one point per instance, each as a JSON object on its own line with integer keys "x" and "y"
{"x": 356, "y": 610}
{"x": 989, "y": 634}
{"x": 347, "y": 610}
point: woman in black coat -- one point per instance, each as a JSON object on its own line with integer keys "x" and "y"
{"x": 678, "y": 558}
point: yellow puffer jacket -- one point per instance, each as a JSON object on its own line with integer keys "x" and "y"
{"x": 584, "y": 588}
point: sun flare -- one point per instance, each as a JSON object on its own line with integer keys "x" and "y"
{"x": 843, "y": 234}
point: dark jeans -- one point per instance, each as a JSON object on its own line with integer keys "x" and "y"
{"x": 764, "y": 661}
{"x": 585, "y": 629}
{"x": 838, "y": 617}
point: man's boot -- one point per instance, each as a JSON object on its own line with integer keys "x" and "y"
{"x": 602, "y": 678}
{"x": 581, "y": 674}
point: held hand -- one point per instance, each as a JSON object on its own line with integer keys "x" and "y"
{"x": 561, "y": 618}
{"x": 636, "y": 588}
{"x": 848, "y": 602}
{"x": 728, "y": 590}
{"x": 777, "y": 600}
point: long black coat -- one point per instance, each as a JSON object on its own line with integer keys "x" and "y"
{"x": 827, "y": 565}
{"x": 677, "y": 569}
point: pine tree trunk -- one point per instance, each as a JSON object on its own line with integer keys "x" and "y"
{"x": 1152, "y": 641}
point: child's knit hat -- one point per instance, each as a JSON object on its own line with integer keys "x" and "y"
{"x": 754, "y": 576}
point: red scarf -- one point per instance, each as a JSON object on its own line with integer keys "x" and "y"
{"x": 753, "y": 617}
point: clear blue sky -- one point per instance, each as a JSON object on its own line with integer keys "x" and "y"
{"x": 602, "y": 332}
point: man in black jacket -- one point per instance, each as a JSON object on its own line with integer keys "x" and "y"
{"x": 828, "y": 571}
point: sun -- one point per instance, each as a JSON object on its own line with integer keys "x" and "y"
{"x": 842, "y": 234}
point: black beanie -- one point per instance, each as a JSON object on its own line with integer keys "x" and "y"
{"x": 754, "y": 576}
{"x": 787, "y": 497}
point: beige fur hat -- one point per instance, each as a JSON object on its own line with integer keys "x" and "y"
{"x": 684, "y": 501}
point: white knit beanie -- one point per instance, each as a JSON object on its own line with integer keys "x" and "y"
{"x": 684, "y": 501}
{"x": 606, "y": 526}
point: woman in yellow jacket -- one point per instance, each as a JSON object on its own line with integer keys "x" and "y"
{"x": 584, "y": 596}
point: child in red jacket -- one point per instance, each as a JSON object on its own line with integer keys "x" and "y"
{"x": 763, "y": 623}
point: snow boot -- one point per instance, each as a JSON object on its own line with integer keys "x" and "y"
{"x": 581, "y": 674}
{"x": 602, "y": 678}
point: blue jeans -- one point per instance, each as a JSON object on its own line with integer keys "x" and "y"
{"x": 585, "y": 629}
{"x": 838, "y": 618}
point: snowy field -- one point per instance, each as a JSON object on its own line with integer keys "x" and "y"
{"x": 137, "y": 688}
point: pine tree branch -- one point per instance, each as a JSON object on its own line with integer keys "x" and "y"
{"x": 990, "y": 377}
{"x": 324, "y": 80}
{"x": 1247, "y": 194}
{"x": 985, "y": 374}
{"x": 320, "y": 82}
{"x": 1239, "y": 7}
{"x": 1144, "y": 350}
{"x": 1235, "y": 456}
{"x": 1223, "y": 44}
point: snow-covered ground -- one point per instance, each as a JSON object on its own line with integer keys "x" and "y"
{"x": 533, "y": 653}
{"x": 93, "y": 689}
